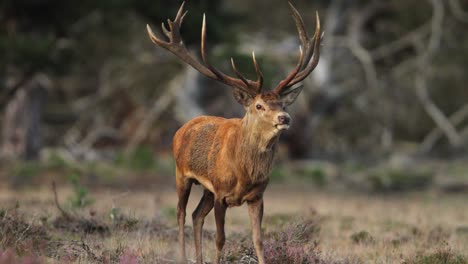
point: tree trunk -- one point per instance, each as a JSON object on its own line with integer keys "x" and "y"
{"x": 22, "y": 137}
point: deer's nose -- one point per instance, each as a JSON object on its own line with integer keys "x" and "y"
{"x": 284, "y": 119}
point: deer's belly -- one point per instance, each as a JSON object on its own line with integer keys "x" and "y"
{"x": 241, "y": 196}
{"x": 205, "y": 182}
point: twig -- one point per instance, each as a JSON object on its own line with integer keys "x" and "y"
{"x": 57, "y": 204}
{"x": 88, "y": 250}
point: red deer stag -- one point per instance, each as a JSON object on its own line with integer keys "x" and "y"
{"x": 232, "y": 158}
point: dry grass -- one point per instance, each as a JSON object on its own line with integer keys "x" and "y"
{"x": 302, "y": 225}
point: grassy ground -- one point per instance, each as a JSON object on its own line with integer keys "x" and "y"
{"x": 302, "y": 225}
{"x": 124, "y": 212}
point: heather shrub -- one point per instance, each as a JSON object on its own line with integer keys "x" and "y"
{"x": 10, "y": 256}
{"x": 293, "y": 245}
{"x": 128, "y": 257}
{"x": 21, "y": 236}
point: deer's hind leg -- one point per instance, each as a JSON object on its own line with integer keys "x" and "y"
{"x": 198, "y": 217}
{"x": 183, "y": 185}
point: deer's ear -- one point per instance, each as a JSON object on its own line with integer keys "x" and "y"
{"x": 289, "y": 95}
{"x": 244, "y": 98}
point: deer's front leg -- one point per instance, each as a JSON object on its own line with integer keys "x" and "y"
{"x": 256, "y": 215}
{"x": 220, "y": 214}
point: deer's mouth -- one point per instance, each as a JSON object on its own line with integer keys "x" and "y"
{"x": 282, "y": 126}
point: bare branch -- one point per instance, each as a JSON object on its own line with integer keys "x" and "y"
{"x": 401, "y": 43}
{"x": 456, "y": 119}
{"x": 457, "y": 11}
{"x": 424, "y": 59}
{"x": 159, "y": 106}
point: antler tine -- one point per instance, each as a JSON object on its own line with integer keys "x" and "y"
{"x": 257, "y": 85}
{"x": 259, "y": 82}
{"x": 237, "y": 72}
{"x": 174, "y": 26}
{"x": 155, "y": 39}
{"x": 285, "y": 83}
{"x": 303, "y": 36}
{"x": 180, "y": 14}
{"x": 243, "y": 83}
{"x": 177, "y": 47}
{"x": 165, "y": 30}
{"x": 315, "y": 56}
{"x": 312, "y": 51}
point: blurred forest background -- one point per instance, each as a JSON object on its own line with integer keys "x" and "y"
{"x": 373, "y": 170}
{"x": 81, "y": 83}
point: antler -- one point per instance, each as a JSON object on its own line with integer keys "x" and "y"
{"x": 177, "y": 47}
{"x": 312, "y": 52}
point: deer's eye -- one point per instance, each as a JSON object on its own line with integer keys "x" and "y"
{"x": 259, "y": 107}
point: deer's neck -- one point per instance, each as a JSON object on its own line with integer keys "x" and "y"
{"x": 256, "y": 149}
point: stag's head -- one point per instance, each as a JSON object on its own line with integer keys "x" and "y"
{"x": 264, "y": 108}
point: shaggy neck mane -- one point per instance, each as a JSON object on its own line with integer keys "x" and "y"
{"x": 255, "y": 149}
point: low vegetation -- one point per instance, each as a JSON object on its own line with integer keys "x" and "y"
{"x": 306, "y": 227}
{"x": 91, "y": 218}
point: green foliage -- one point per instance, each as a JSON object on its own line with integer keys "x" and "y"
{"x": 80, "y": 197}
{"x": 121, "y": 220}
{"x": 169, "y": 213}
{"x": 400, "y": 180}
{"x": 278, "y": 219}
{"x": 316, "y": 175}
{"x": 24, "y": 172}
{"x": 165, "y": 165}
{"x": 114, "y": 213}
{"x": 277, "y": 174}
{"x": 244, "y": 62}
{"x": 462, "y": 230}
{"x": 56, "y": 162}
{"x": 29, "y": 41}
{"x": 141, "y": 159}
{"x": 28, "y": 50}
{"x": 347, "y": 222}
{"x": 27, "y": 169}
